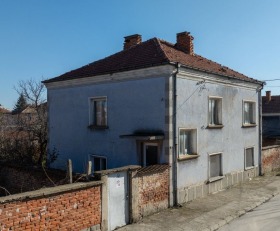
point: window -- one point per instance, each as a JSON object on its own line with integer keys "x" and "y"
{"x": 98, "y": 112}
{"x": 249, "y": 113}
{"x": 187, "y": 142}
{"x": 249, "y": 157}
{"x": 215, "y": 166}
{"x": 98, "y": 163}
{"x": 215, "y": 111}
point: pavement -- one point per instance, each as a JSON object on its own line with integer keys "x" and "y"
{"x": 264, "y": 217}
{"x": 214, "y": 211}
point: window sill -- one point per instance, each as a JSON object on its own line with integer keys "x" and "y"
{"x": 96, "y": 127}
{"x": 249, "y": 125}
{"x": 187, "y": 157}
{"x": 218, "y": 126}
{"x": 216, "y": 178}
{"x": 248, "y": 168}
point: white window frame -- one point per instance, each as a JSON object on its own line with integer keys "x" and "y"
{"x": 245, "y": 158}
{"x": 92, "y": 157}
{"x": 215, "y": 178}
{"x": 92, "y": 112}
{"x": 193, "y": 142}
{"x": 220, "y": 112}
{"x": 251, "y": 123}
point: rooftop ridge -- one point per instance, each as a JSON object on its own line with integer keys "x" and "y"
{"x": 152, "y": 52}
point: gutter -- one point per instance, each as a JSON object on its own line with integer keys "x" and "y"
{"x": 174, "y": 123}
{"x": 260, "y": 129}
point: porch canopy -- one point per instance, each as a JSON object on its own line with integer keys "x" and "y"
{"x": 145, "y": 135}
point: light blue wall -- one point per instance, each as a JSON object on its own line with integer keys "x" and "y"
{"x": 230, "y": 140}
{"x": 132, "y": 105}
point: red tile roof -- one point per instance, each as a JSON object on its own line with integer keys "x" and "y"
{"x": 153, "y": 52}
{"x": 273, "y": 106}
{"x": 4, "y": 110}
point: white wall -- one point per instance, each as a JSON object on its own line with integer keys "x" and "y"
{"x": 230, "y": 140}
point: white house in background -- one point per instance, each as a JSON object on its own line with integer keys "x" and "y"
{"x": 156, "y": 102}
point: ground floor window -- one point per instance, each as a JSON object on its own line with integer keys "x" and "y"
{"x": 249, "y": 157}
{"x": 98, "y": 163}
{"x": 187, "y": 141}
{"x": 215, "y": 165}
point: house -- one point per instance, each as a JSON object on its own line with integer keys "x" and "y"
{"x": 270, "y": 119}
{"x": 156, "y": 102}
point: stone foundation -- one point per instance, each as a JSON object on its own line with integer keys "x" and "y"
{"x": 203, "y": 189}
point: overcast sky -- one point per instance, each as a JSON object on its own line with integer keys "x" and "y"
{"x": 43, "y": 39}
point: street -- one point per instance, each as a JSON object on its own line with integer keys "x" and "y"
{"x": 264, "y": 217}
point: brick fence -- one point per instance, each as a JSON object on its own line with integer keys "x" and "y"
{"x": 68, "y": 207}
{"x": 270, "y": 159}
{"x": 150, "y": 189}
{"x": 84, "y": 206}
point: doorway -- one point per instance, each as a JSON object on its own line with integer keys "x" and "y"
{"x": 150, "y": 154}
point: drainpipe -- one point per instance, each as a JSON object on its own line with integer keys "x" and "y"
{"x": 174, "y": 161}
{"x": 260, "y": 130}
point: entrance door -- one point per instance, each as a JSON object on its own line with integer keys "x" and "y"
{"x": 150, "y": 154}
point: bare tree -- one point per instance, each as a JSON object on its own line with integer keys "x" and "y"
{"x": 33, "y": 120}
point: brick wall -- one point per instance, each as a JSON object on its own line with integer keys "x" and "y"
{"x": 150, "y": 191}
{"x": 67, "y": 207}
{"x": 270, "y": 159}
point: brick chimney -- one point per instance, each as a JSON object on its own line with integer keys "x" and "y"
{"x": 131, "y": 40}
{"x": 185, "y": 42}
{"x": 268, "y": 96}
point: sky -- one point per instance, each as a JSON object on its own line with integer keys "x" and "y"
{"x": 44, "y": 39}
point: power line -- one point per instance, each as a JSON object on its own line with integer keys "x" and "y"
{"x": 270, "y": 79}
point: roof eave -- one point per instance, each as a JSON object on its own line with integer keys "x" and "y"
{"x": 215, "y": 73}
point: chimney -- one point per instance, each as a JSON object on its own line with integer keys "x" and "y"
{"x": 131, "y": 40}
{"x": 185, "y": 42}
{"x": 268, "y": 96}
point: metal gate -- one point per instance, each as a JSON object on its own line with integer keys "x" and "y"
{"x": 118, "y": 215}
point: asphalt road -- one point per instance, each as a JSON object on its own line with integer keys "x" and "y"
{"x": 265, "y": 218}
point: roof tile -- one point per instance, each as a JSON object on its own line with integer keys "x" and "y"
{"x": 152, "y": 52}
{"x": 272, "y": 106}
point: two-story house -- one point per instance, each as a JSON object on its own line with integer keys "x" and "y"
{"x": 156, "y": 102}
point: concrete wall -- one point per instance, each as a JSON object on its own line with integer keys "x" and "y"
{"x": 230, "y": 140}
{"x": 203, "y": 189}
{"x": 132, "y": 105}
{"x": 68, "y": 207}
{"x": 270, "y": 159}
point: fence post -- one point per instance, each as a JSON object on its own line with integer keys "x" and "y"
{"x": 89, "y": 167}
{"x": 70, "y": 170}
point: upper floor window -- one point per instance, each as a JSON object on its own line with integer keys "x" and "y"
{"x": 249, "y": 113}
{"x": 98, "y": 112}
{"x": 215, "y": 112}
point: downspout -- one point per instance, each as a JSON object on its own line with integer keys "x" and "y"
{"x": 174, "y": 122}
{"x": 260, "y": 130}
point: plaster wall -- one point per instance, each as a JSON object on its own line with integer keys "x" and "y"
{"x": 231, "y": 140}
{"x": 131, "y": 105}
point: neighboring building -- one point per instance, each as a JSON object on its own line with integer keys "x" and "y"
{"x": 157, "y": 102}
{"x": 271, "y": 119}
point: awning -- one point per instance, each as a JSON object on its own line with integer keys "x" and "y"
{"x": 144, "y": 136}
